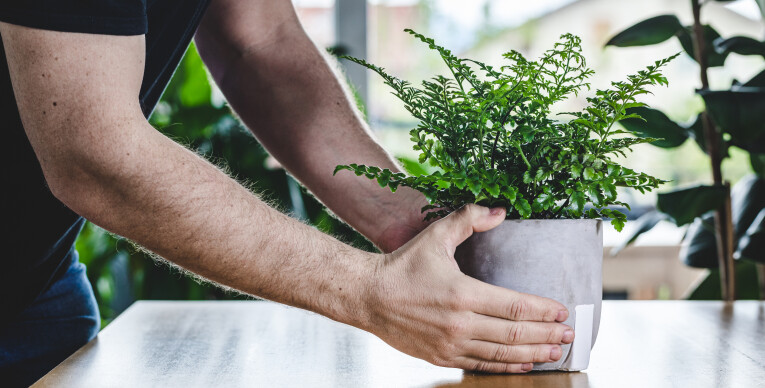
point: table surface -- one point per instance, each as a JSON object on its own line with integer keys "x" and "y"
{"x": 232, "y": 344}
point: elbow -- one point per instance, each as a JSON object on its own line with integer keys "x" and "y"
{"x": 86, "y": 172}
{"x": 72, "y": 184}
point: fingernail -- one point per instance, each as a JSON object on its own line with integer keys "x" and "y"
{"x": 527, "y": 367}
{"x": 568, "y": 336}
{"x": 562, "y": 316}
{"x": 555, "y": 353}
{"x": 496, "y": 211}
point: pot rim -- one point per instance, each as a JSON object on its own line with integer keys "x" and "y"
{"x": 555, "y": 220}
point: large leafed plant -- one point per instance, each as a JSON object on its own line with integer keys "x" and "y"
{"x": 494, "y": 140}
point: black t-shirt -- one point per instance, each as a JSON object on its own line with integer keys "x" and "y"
{"x": 38, "y": 231}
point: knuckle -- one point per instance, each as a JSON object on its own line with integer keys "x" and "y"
{"x": 456, "y": 328}
{"x": 466, "y": 213}
{"x": 438, "y": 361}
{"x": 482, "y": 366}
{"x": 458, "y": 301}
{"x": 515, "y": 334}
{"x": 503, "y": 353}
{"x": 465, "y": 209}
{"x": 519, "y": 308}
{"x": 446, "y": 350}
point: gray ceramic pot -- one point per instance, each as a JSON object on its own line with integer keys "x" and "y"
{"x": 557, "y": 259}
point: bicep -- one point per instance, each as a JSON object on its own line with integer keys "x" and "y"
{"x": 72, "y": 89}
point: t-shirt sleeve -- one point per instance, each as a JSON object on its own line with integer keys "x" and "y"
{"x": 109, "y": 17}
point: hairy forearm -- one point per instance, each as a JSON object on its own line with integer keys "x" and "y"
{"x": 176, "y": 204}
{"x": 286, "y": 92}
{"x": 78, "y": 99}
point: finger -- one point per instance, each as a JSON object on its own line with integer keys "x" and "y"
{"x": 503, "y": 303}
{"x": 460, "y": 225}
{"x": 477, "y": 365}
{"x": 516, "y": 354}
{"x": 502, "y": 331}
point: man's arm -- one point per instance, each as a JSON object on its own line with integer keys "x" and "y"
{"x": 287, "y": 94}
{"x": 78, "y": 99}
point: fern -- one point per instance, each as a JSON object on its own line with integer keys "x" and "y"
{"x": 495, "y": 141}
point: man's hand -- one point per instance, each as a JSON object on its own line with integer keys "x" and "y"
{"x": 421, "y": 304}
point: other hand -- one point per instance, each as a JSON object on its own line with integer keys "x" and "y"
{"x": 421, "y": 304}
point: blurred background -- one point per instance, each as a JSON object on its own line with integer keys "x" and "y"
{"x": 194, "y": 113}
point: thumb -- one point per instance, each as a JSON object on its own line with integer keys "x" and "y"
{"x": 471, "y": 218}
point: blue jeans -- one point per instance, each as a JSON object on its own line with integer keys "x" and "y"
{"x": 60, "y": 321}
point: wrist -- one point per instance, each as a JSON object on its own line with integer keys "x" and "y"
{"x": 403, "y": 220}
{"x": 353, "y": 298}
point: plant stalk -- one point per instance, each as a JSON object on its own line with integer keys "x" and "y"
{"x": 723, "y": 223}
{"x": 520, "y": 151}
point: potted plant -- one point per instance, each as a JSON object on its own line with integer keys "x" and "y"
{"x": 491, "y": 135}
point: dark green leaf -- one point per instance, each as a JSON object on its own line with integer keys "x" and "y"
{"x": 747, "y": 199}
{"x": 741, "y": 45}
{"x": 699, "y": 247}
{"x": 523, "y": 207}
{"x": 578, "y": 200}
{"x": 757, "y": 81}
{"x": 741, "y": 113}
{"x": 443, "y": 184}
{"x": 492, "y": 189}
{"x": 714, "y": 59}
{"x": 595, "y": 195}
{"x": 651, "y": 31}
{"x": 383, "y": 179}
{"x": 510, "y": 194}
{"x": 758, "y": 163}
{"x": 752, "y": 245}
{"x": 618, "y": 223}
{"x": 340, "y": 168}
{"x": 589, "y": 173}
{"x": 655, "y": 124}
{"x": 527, "y": 178}
{"x": 609, "y": 189}
{"x": 696, "y": 130}
{"x": 684, "y": 205}
{"x": 412, "y": 167}
{"x": 475, "y": 186}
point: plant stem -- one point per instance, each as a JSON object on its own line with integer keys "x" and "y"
{"x": 520, "y": 151}
{"x": 494, "y": 149}
{"x": 723, "y": 224}
{"x": 560, "y": 210}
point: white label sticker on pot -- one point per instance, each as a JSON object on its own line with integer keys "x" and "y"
{"x": 579, "y": 356}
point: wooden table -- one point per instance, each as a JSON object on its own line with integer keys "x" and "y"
{"x": 262, "y": 344}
